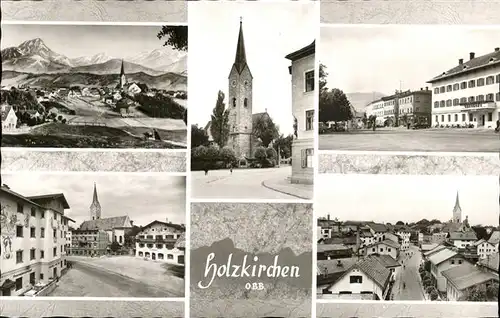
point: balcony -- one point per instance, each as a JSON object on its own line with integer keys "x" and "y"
{"x": 478, "y": 106}
{"x": 156, "y": 240}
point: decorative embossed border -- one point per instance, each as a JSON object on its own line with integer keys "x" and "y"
{"x": 95, "y": 10}
{"x": 410, "y": 11}
{"x": 113, "y": 160}
{"x": 351, "y": 162}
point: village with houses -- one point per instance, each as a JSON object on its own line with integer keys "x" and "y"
{"x": 99, "y": 101}
{"x": 425, "y": 260}
{"x": 101, "y": 257}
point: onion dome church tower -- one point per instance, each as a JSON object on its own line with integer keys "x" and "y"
{"x": 95, "y": 207}
{"x": 240, "y": 102}
{"x": 457, "y": 211}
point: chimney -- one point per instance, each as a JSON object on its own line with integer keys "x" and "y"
{"x": 166, "y": 220}
{"x": 426, "y": 88}
{"x": 497, "y": 49}
{"x": 421, "y": 89}
{"x": 471, "y": 55}
{"x": 460, "y": 61}
{"x": 328, "y": 217}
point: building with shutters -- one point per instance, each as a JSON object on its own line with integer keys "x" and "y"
{"x": 161, "y": 241}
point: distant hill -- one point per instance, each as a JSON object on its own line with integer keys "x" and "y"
{"x": 360, "y": 100}
{"x": 113, "y": 67}
{"x": 167, "y": 81}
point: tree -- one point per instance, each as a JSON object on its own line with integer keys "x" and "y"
{"x": 198, "y": 137}
{"x": 481, "y": 292}
{"x": 284, "y": 144}
{"x": 481, "y": 232}
{"x": 400, "y": 223}
{"x": 260, "y": 154}
{"x": 334, "y": 106}
{"x": 114, "y": 246}
{"x": 227, "y": 155}
{"x": 177, "y": 36}
{"x": 219, "y": 127}
{"x": 434, "y": 294}
{"x": 322, "y": 78}
{"x": 271, "y": 154}
{"x": 265, "y": 129}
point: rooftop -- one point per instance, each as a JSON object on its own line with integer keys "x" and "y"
{"x": 49, "y": 197}
{"x": 385, "y": 260}
{"x": 331, "y": 247}
{"x": 167, "y": 224}
{"x": 303, "y": 52}
{"x": 494, "y": 238}
{"x": 490, "y": 262}
{"x": 435, "y": 250}
{"x": 467, "y": 235}
{"x": 386, "y": 242}
{"x": 467, "y": 275}
{"x": 428, "y": 247}
{"x": 442, "y": 256}
{"x": 106, "y": 223}
{"x": 377, "y": 227}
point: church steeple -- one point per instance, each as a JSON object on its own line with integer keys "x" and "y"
{"x": 95, "y": 207}
{"x": 457, "y": 211}
{"x": 123, "y": 80}
{"x": 240, "y": 61}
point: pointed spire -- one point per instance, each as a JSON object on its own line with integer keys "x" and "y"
{"x": 122, "y": 71}
{"x": 457, "y": 211}
{"x": 95, "y": 207}
{"x": 241, "y": 59}
{"x": 95, "y": 199}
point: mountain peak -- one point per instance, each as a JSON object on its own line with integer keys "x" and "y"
{"x": 33, "y": 46}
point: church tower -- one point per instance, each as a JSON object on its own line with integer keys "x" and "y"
{"x": 457, "y": 211}
{"x": 123, "y": 80}
{"x": 95, "y": 207}
{"x": 240, "y": 102}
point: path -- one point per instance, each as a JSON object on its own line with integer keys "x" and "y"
{"x": 409, "y": 276}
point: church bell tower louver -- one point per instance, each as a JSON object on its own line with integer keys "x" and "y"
{"x": 95, "y": 207}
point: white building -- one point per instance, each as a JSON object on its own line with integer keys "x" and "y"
{"x": 463, "y": 239}
{"x": 484, "y": 248}
{"x": 378, "y": 230}
{"x": 9, "y": 118}
{"x": 404, "y": 236}
{"x": 33, "y": 240}
{"x": 133, "y": 89}
{"x": 460, "y": 278}
{"x": 441, "y": 261}
{"x": 468, "y": 93}
{"x": 494, "y": 239}
{"x": 161, "y": 241}
{"x": 303, "y": 99}
{"x": 386, "y": 247}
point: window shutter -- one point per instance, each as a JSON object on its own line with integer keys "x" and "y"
{"x": 303, "y": 158}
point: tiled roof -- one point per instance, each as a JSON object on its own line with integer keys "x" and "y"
{"x": 333, "y": 266}
{"x": 451, "y": 227}
{"x": 467, "y": 275}
{"x": 386, "y": 242}
{"x": 386, "y": 260}
{"x": 476, "y": 63}
{"x": 172, "y": 225}
{"x": 442, "y": 256}
{"x": 366, "y": 234}
{"x": 428, "y": 247}
{"x": 467, "y": 235}
{"x": 106, "y": 223}
{"x": 375, "y": 270}
{"x": 305, "y": 51}
{"x": 494, "y": 238}
{"x": 331, "y": 247}
{"x": 377, "y": 227}
{"x": 58, "y": 196}
{"x": 490, "y": 262}
{"x": 435, "y": 250}
{"x": 481, "y": 241}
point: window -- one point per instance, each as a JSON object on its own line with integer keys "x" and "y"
{"x": 150, "y": 245}
{"x": 42, "y": 254}
{"x": 471, "y": 99}
{"x": 19, "y": 208}
{"x": 170, "y": 256}
{"x": 442, "y": 103}
{"x": 309, "y": 119}
{"x": 490, "y": 116}
{"x": 32, "y": 254}
{"x": 159, "y": 245}
{"x": 245, "y": 102}
{"x": 373, "y": 250}
{"x": 456, "y": 101}
{"x": 463, "y": 100}
{"x": 480, "y": 98}
{"x": 356, "y": 279}
{"x": 54, "y": 252}
{"x": 459, "y": 261}
{"x": 472, "y": 84}
{"x": 54, "y": 233}
{"x": 388, "y": 249}
{"x": 480, "y": 82}
{"x": 456, "y": 87}
{"x": 160, "y": 256}
{"x": 449, "y": 88}
{"x": 19, "y": 231}
{"x": 42, "y": 214}
{"x": 498, "y": 97}
{"x": 452, "y": 261}
{"x": 448, "y": 103}
{"x": 61, "y": 248}
{"x": 19, "y": 257}
{"x": 234, "y": 102}
{"x": 32, "y": 232}
{"x": 140, "y": 254}
{"x": 437, "y": 118}
{"x": 490, "y": 80}
{"x": 441, "y": 89}
{"x": 463, "y": 85}
{"x": 436, "y": 90}
{"x": 41, "y": 275}
{"x": 141, "y": 244}
{"x": 33, "y": 212}
{"x": 463, "y": 117}
{"x": 436, "y": 104}
{"x": 456, "y": 117}
{"x": 309, "y": 84}
{"x": 42, "y": 232}
{"x": 19, "y": 283}
{"x": 490, "y": 98}
{"x": 449, "y": 118}
{"x": 498, "y": 78}
{"x": 307, "y": 158}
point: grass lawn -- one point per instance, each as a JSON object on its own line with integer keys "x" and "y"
{"x": 57, "y": 135}
{"x": 173, "y": 135}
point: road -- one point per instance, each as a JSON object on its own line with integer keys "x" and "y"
{"x": 439, "y": 140}
{"x": 241, "y": 184}
{"x": 409, "y": 276}
{"x": 89, "y": 281}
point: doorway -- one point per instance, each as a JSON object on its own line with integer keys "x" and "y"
{"x": 54, "y": 273}
{"x": 482, "y": 119}
{"x": 153, "y": 256}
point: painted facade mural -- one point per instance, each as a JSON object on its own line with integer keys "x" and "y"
{"x": 8, "y": 223}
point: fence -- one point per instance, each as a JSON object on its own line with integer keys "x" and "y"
{"x": 83, "y": 123}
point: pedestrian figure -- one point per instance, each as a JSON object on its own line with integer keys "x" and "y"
{"x": 231, "y": 169}
{"x": 498, "y": 126}
{"x": 206, "y": 171}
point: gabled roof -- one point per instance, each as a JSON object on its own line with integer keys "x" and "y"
{"x": 467, "y": 235}
{"x": 385, "y": 242}
{"x": 53, "y": 196}
{"x": 259, "y": 116}
{"x": 428, "y": 247}
{"x": 6, "y": 111}
{"x": 374, "y": 270}
{"x": 181, "y": 241}
{"x": 494, "y": 238}
{"x": 475, "y": 64}
{"x": 442, "y": 256}
{"x": 106, "y": 223}
{"x": 385, "y": 260}
{"x": 303, "y": 52}
{"x": 435, "y": 250}
{"x": 331, "y": 247}
{"x": 377, "y": 227}
{"x": 490, "y": 262}
{"x": 172, "y": 225}
{"x": 467, "y": 275}
{"x": 333, "y": 266}
{"x": 481, "y": 241}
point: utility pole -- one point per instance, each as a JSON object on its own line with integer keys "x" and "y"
{"x": 279, "y": 156}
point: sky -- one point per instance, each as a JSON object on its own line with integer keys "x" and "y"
{"x": 271, "y": 31}
{"x": 377, "y": 58}
{"x": 391, "y": 198}
{"x": 143, "y": 198}
{"x": 86, "y": 40}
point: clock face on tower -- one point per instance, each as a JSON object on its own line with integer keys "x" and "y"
{"x": 233, "y": 83}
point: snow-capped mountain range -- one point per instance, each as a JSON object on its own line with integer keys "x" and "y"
{"x": 33, "y": 56}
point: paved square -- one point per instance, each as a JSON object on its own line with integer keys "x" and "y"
{"x": 242, "y": 184}
{"x": 436, "y": 140}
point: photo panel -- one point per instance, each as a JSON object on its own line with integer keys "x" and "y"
{"x": 86, "y": 235}
{"x": 403, "y": 88}
{"x": 117, "y": 94}
{"x": 251, "y": 260}
{"x": 407, "y": 238}
{"x": 252, "y": 100}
